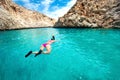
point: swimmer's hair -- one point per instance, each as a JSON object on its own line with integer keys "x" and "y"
{"x": 53, "y": 37}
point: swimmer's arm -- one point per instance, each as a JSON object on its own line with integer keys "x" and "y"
{"x": 54, "y": 41}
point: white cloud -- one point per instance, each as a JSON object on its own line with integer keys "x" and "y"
{"x": 47, "y": 2}
{"x": 60, "y": 11}
{"x": 46, "y": 5}
{"x": 32, "y": 6}
{"x": 26, "y": 1}
{"x": 29, "y": 5}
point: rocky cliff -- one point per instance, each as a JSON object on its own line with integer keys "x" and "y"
{"x": 92, "y": 13}
{"x": 13, "y": 16}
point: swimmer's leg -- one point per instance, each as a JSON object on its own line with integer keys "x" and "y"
{"x": 28, "y": 53}
{"x": 40, "y": 51}
{"x": 48, "y": 47}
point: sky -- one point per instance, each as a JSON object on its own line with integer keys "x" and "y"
{"x": 51, "y": 8}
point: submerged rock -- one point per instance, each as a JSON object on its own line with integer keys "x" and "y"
{"x": 92, "y": 13}
{"x": 13, "y": 16}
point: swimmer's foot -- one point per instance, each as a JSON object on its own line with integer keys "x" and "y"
{"x": 38, "y": 53}
{"x": 28, "y": 53}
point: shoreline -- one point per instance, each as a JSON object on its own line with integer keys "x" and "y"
{"x": 59, "y": 28}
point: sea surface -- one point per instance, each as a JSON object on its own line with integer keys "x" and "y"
{"x": 77, "y": 54}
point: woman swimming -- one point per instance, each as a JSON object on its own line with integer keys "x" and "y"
{"x": 46, "y": 45}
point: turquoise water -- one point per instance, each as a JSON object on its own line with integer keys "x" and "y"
{"x": 78, "y": 54}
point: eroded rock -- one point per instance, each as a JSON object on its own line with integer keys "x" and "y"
{"x": 13, "y": 16}
{"x": 92, "y": 13}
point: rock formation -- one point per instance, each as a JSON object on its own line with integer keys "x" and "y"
{"x": 92, "y": 13}
{"x": 13, "y": 16}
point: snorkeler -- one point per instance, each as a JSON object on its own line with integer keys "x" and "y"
{"x": 46, "y": 45}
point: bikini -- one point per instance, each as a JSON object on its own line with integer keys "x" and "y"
{"x": 49, "y": 42}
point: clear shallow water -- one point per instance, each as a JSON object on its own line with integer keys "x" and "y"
{"x": 78, "y": 54}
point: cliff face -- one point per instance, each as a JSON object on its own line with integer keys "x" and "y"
{"x": 92, "y": 13}
{"x": 13, "y": 16}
